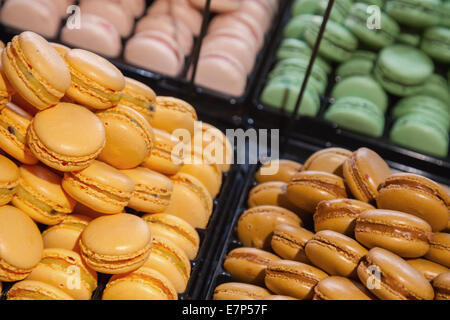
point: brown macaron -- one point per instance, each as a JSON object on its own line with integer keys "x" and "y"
{"x": 415, "y": 195}
{"x": 239, "y": 291}
{"x": 340, "y": 288}
{"x": 266, "y": 194}
{"x": 327, "y": 160}
{"x": 364, "y": 171}
{"x": 428, "y": 268}
{"x": 441, "y": 285}
{"x": 289, "y": 242}
{"x": 286, "y": 170}
{"x": 439, "y": 249}
{"x": 402, "y": 233}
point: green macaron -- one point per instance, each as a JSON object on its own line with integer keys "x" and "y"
{"x": 296, "y": 27}
{"x": 436, "y": 43}
{"x": 437, "y": 86}
{"x": 338, "y": 13}
{"x": 414, "y": 13}
{"x": 357, "y": 114}
{"x": 445, "y": 14}
{"x": 354, "y": 67}
{"x": 408, "y": 38}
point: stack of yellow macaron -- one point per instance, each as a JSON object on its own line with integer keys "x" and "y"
{"x": 82, "y": 143}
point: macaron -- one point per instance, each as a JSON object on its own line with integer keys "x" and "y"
{"x": 248, "y": 264}
{"x": 255, "y": 226}
{"x": 414, "y": 13}
{"x": 357, "y": 114}
{"x": 338, "y": 12}
{"x": 6, "y": 91}
{"x": 389, "y": 277}
{"x": 35, "y": 70}
{"x": 116, "y": 244}
{"x": 327, "y": 160}
{"x": 339, "y": 215}
{"x": 127, "y": 133}
{"x": 140, "y": 97}
{"x": 364, "y": 171}
{"x": 100, "y": 187}
{"x": 96, "y": 83}
{"x": 401, "y": 233}
{"x": 277, "y": 170}
{"x": 409, "y": 38}
{"x": 355, "y": 67}
{"x": 294, "y": 279}
{"x": 172, "y": 114}
{"x": 436, "y": 86}
{"x": 289, "y": 242}
{"x": 62, "y": 49}
{"x": 67, "y": 137}
{"x": 436, "y": 43}
{"x": 439, "y": 249}
{"x": 142, "y": 284}
{"x": 218, "y": 5}
{"x": 188, "y": 189}
{"x": 239, "y": 291}
{"x": 429, "y": 269}
{"x": 58, "y": 267}
{"x": 40, "y": 195}
{"x": 296, "y": 27}
{"x": 416, "y": 195}
{"x": 278, "y": 297}
{"x": 21, "y": 244}
{"x": 65, "y": 235}
{"x": 170, "y": 260}
{"x": 340, "y": 288}
{"x": 266, "y": 193}
{"x": 441, "y": 285}
{"x": 176, "y": 230}
{"x": 9, "y": 180}
{"x": 308, "y": 188}
{"x": 36, "y": 290}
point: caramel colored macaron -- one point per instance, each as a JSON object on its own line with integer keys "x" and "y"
{"x": 35, "y": 70}
{"x": 335, "y": 253}
{"x": 189, "y": 190}
{"x": 266, "y": 194}
{"x": 278, "y": 297}
{"x": 152, "y": 192}
{"x": 428, "y": 268}
{"x": 140, "y": 97}
{"x": 339, "y": 215}
{"x": 248, "y": 264}
{"x": 340, "y": 288}
{"x": 306, "y": 189}
{"x": 364, "y": 171}
{"x": 289, "y": 242}
{"x": 142, "y": 284}
{"x": 415, "y": 195}
{"x": 14, "y": 123}
{"x": 9, "y": 179}
{"x": 96, "y": 82}
{"x": 294, "y": 279}
{"x": 402, "y": 233}
{"x": 389, "y": 277}
{"x": 116, "y": 244}
{"x": 239, "y": 291}
{"x": 172, "y": 114}
{"x": 58, "y": 267}
{"x": 65, "y": 235}
{"x": 286, "y": 169}
{"x": 36, "y": 290}
{"x": 441, "y": 285}
{"x": 100, "y": 187}
{"x": 439, "y": 249}
{"x": 255, "y": 226}
{"x": 327, "y": 160}
{"x": 176, "y": 230}
{"x": 129, "y": 137}
{"x": 21, "y": 244}
{"x": 67, "y": 137}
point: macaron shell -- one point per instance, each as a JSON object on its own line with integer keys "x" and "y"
{"x": 327, "y": 160}
{"x": 9, "y": 179}
{"x": 289, "y": 242}
{"x": 286, "y": 170}
{"x": 429, "y": 269}
{"x": 266, "y": 193}
{"x": 339, "y": 288}
{"x": 239, "y": 291}
{"x": 441, "y": 286}
{"x": 439, "y": 249}
{"x": 36, "y": 290}
{"x": 208, "y": 174}
{"x": 172, "y": 114}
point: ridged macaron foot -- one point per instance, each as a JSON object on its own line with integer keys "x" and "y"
{"x": 116, "y": 244}
{"x": 307, "y": 188}
{"x": 9, "y": 179}
{"x": 96, "y": 83}
{"x": 129, "y": 137}
{"x": 152, "y": 192}
{"x": 36, "y": 290}
{"x": 60, "y": 268}
{"x": 60, "y": 48}
{"x": 175, "y": 229}
{"x": 140, "y": 97}
{"x": 35, "y": 70}
{"x": 289, "y": 242}
{"x": 285, "y": 170}
{"x": 142, "y": 284}
{"x": 172, "y": 114}
{"x": 248, "y": 264}
{"x": 328, "y": 160}
{"x": 364, "y": 171}
{"x": 170, "y": 260}
{"x": 266, "y": 194}
{"x": 21, "y": 244}
{"x": 402, "y": 233}
{"x": 428, "y": 268}
{"x": 100, "y": 187}
{"x": 439, "y": 249}
{"x": 67, "y": 137}
{"x": 239, "y": 291}
{"x": 255, "y": 226}
{"x": 441, "y": 285}
{"x": 14, "y": 123}
{"x": 294, "y": 279}
{"x": 40, "y": 195}
{"x": 335, "y": 253}
{"x": 340, "y": 288}
{"x": 389, "y": 277}
{"x": 416, "y": 195}
{"x": 5, "y": 89}
{"x": 188, "y": 189}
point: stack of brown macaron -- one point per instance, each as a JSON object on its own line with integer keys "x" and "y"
{"x": 82, "y": 143}
{"x": 342, "y": 226}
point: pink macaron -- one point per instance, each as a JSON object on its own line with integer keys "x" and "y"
{"x": 155, "y": 51}
{"x": 218, "y": 5}
{"x": 96, "y": 34}
{"x": 260, "y": 10}
{"x": 62, "y": 6}
{"x": 136, "y": 7}
{"x": 176, "y": 29}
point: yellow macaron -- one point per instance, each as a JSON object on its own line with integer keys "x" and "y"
{"x": 66, "y": 234}
{"x": 140, "y": 97}
{"x": 9, "y": 179}
{"x": 36, "y": 290}
{"x": 172, "y": 114}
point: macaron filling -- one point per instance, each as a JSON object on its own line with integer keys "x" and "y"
{"x": 37, "y": 204}
{"x": 330, "y": 187}
{"x": 12, "y": 273}
{"x": 159, "y": 196}
{"x": 92, "y": 88}
{"x": 173, "y": 227}
{"x": 172, "y": 257}
{"x": 403, "y": 232}
{"x": 145, "y": 104}
{"x": 254, "y": 258}
{"x": 196, "y": 189}
{"x": 286, "y": 239}
{"x": 280, "y": 272}
{"x": 335, "y": 247}
{"x": 359, "y": 182}
{"x": 29, "y": 294}
{"x": 19, "y": 137}
{"x": 64, "y": 265}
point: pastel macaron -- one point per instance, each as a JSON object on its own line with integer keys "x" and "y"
{"x": 435, "y": 43}
{"x": 116, "y": 244}
{"x": 67, "y": 137}
{"x": 340, "y": 288}
{"x": 9, "y": 179}
{"x": 21, "y": 244}
{"x": 35, "y": 70}
{"x": 172, "y": 114}
{"x": 100, "y": 187}
{"x": 218, "y": 5}
{"x": 65, "y": 235}
{"x": 140, "y": 97}
{"x": 36, "y": 290}
{"x": 414, "y": 13}
{"x": 239, "y": 291}
{"x": 40, "y": 195}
